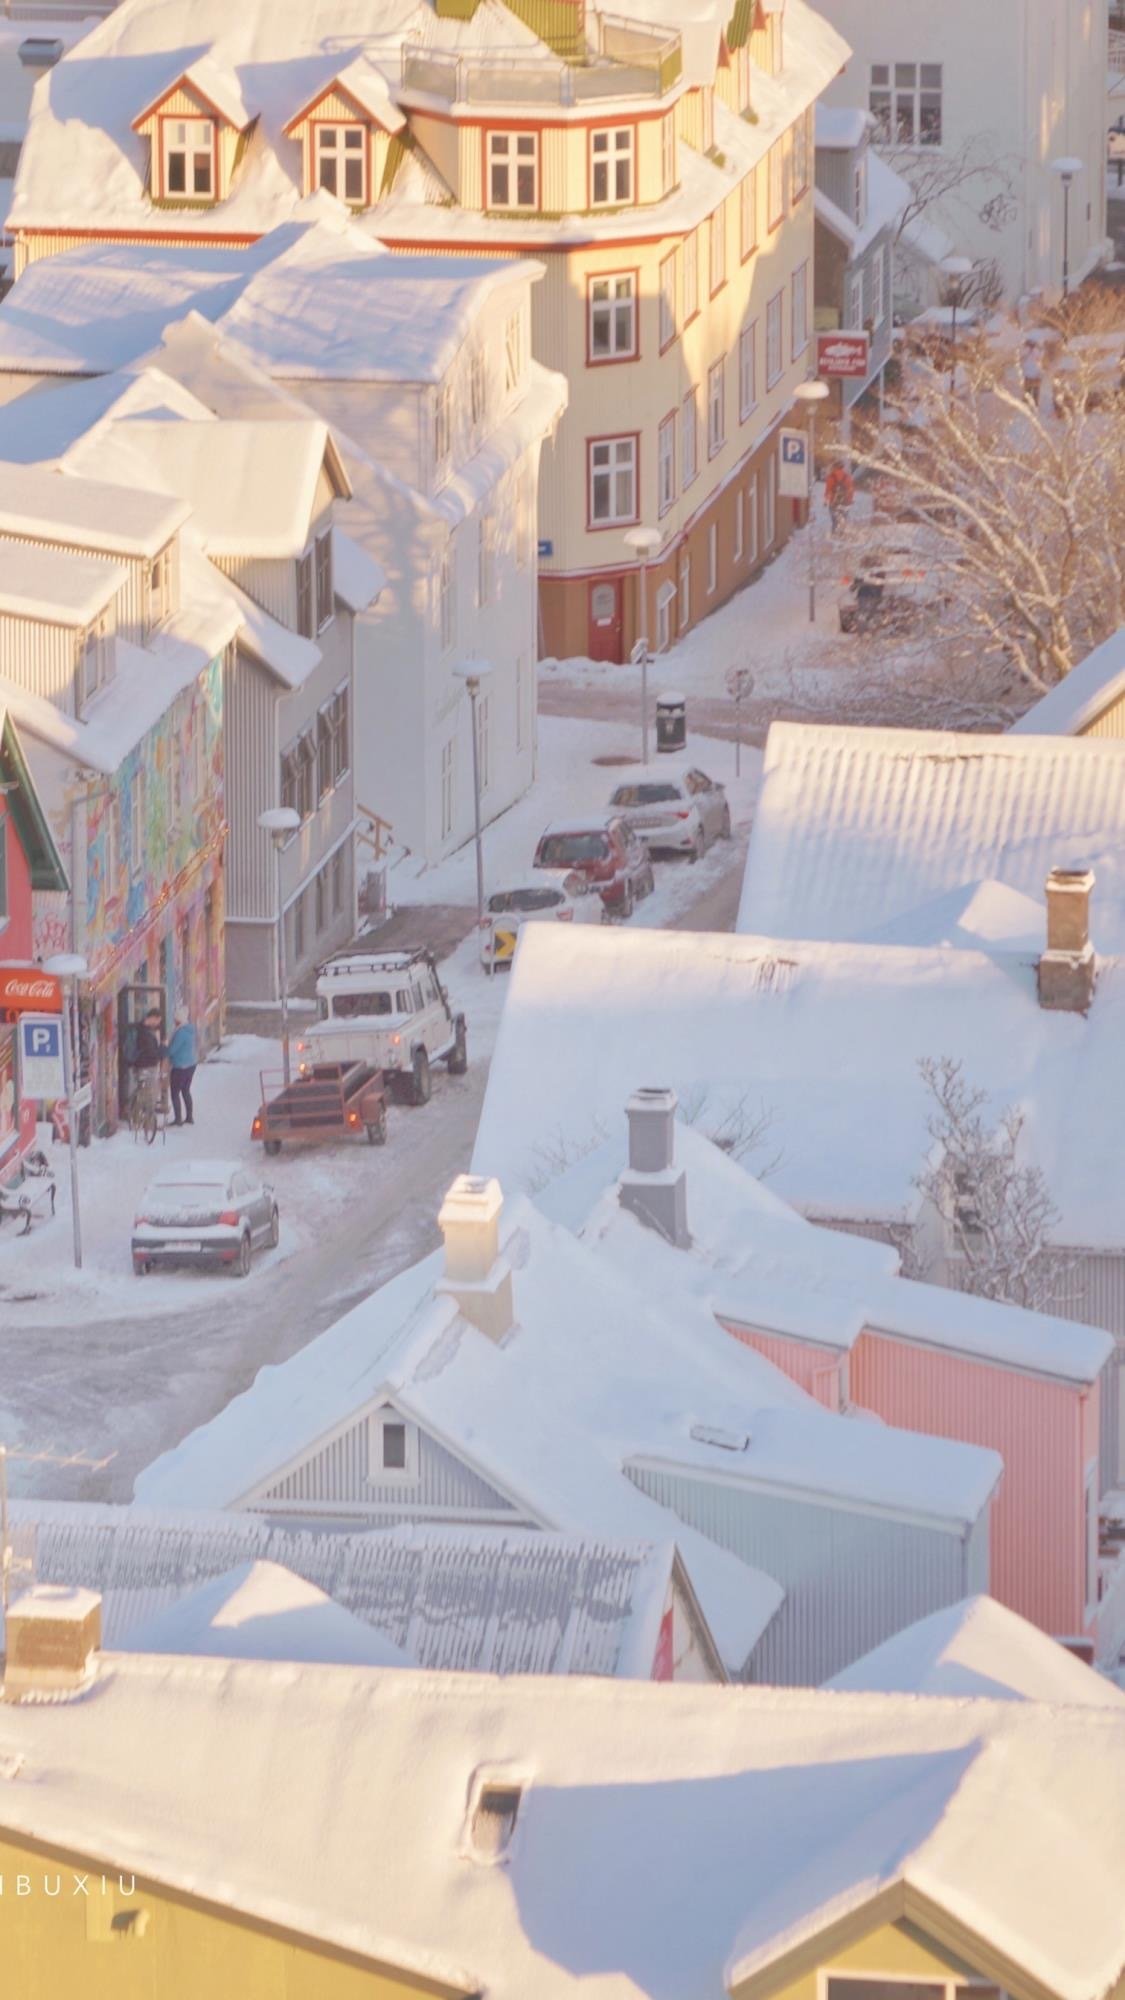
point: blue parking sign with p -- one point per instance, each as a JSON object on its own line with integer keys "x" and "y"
{"x": 41, "y": 1056}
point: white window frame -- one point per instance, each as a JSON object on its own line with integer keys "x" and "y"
{"x": 887, "y": 97}
{"x": 611, "y": 300}
{"x": 613, "y": 151}
{"x": 775, "y": 339}
{"x": 853, "y": 301}
{"x": 160, "y": 588}
{"x": 668, "y": 152}
{"x": 512, "y": 155}
{"x": 608, "y": 461}
{"x": 379, "y": 1474}
{"x": 716, "y": 406}
{"x": 748, "y": 213}
{"x": 799, "y": 311}
{"x": 666, "y": 464}
{"x": 192, "y": 150}
{"x": 96, "y": 660}
{"x": 747, "y": 371}
{"x": 689, "y": 282}
{"x": 335, "y": 144}
{"x": 689, "y": 439}
{"x": 324, "y": 580}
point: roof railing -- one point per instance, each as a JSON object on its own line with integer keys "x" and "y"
{"x": 627, "y": 60}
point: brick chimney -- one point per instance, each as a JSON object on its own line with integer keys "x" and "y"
{"x": 476, "y": 1275}
{"x": 1068, "y": 967}
{"x": 52, "y": 1636}
{"x": 651, "y": 1189}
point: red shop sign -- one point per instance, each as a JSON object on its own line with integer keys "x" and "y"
{"x": 24, "y": 989}
{"x": 842, "y": 356}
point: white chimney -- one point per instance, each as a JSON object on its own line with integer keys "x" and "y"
{"x": 1068, "y": 967}
{"x": 476, "y": 1275}
{"x": 650, "y": 1188}
{"x": 52, "y": 1636}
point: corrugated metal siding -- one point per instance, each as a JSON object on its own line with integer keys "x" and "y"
{"x": 252, "y": 776}
{"x": 816, "y": 1369}
{"x": 1110, "y": 723}
{"x": 835, "y": 167}
{"x": 529, "y": 1604}
{"x": 273, "y": 585}
{"x": 40, "y": 658}
{"x": 1036, "y": 1426}
{"x": 851, "y": 1580}
{"x": 338, "y": 1476}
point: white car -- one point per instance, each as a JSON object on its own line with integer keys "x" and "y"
{"x": 204, "y": 1212}
{"x": 555, "y": 896}
{"x": 680, "y": 814}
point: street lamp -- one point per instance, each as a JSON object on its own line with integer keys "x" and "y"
{"x": 281, "y": 823}
{"x": 68, "y": 967}
{"x": 957, "y": 268}
{"x": 1066, "y": 168}
{"x": 809, "y": 394}
{"x": 472, "y": 672}
{"x": 644, "y": 542}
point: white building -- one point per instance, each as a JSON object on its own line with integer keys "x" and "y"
{"x": 978, "y": 101}
{"x": 422, "y": 367}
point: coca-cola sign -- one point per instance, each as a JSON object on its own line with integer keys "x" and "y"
{"x": 842, "y": 356}
{"x": 24, "y": 989}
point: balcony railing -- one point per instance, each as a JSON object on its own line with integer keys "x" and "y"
{"x": 628, "y": 61}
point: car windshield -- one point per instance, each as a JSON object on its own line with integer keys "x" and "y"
{"x": 345, "y": 1006}
{"x": 568, "y": 850}
{"x": 644, "y": 795}
{"x": 524, "y": 899}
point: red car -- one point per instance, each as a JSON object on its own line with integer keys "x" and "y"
{"x": 608, "y": 853}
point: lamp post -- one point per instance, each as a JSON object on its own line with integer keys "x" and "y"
{"x": 643, "y": 542}
{"x": 1066, "y": 168}
{"x": 958, "y": 269}
{"x": 281, "y": 823}
{"x": 472, "y": 672}
{"x": 68, "y": 967}
{"x": 809, "y": 394}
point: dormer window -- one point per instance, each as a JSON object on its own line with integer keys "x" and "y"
{"x": 160, "y": 588}
{"x": 188, "y": 148}
{"x": 513, "y": 170}
{"x": 96, "y": 662}
{"x": 341, "y": 162}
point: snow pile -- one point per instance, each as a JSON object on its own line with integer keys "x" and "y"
{"x": 860, "y": 829}
{"x": 979, "y": 1648}
{"x": 260, "y": 1611}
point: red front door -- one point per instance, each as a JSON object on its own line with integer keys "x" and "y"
{"x": 604, "y": 640}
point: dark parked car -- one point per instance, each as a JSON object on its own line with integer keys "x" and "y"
{"x": 608, "y": 853}
{"x": 204, "y": 1212}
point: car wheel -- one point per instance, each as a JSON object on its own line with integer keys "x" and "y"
{"x": 377, "y": 1128}
{"x": 273, "y": 1147}
{"x": 274, "y": 1237}
{"x": 242, "y": 1261}
{"x": 724, "y": 824}
{"x": 458, "y": 1060}
{"x": 422, "y": 1081}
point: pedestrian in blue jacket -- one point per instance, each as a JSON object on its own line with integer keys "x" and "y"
{"x": 183, "y": 1053}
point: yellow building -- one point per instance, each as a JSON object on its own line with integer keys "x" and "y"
{"x": 661, "y": 167}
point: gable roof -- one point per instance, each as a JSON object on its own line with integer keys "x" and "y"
{"x": 825, "y": 1040}
{"x": 332, "y": 1802}
{"x": 108, "y": 519}
{"x": 1086, "y": 692}
{"x": 366, "y": 86}
{"x": 979, "y": 1648}
{"x": 857, "y": 829}
{"x": 209, "y": 79}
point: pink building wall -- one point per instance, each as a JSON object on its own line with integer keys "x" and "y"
{"x": 815, "y": 1369}
{"x": 1045, "y": 1431}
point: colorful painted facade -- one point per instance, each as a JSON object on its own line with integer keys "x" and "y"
{"x": 28, "y": 859}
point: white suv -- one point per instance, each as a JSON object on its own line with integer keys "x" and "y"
{"x": 682, "y": 814}
{"x": 389, "y": 1009}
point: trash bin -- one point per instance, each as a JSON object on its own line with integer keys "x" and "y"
{"x": 671, "y": 722}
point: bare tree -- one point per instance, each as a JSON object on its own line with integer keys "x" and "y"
{"x": 1022, "y": 485}
{"x": 996, "y": 1207}
{"x": 740, "y": 1128}
{"x": 971, "y": 177}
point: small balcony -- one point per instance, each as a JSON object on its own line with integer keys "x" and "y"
{"x": 626, "y": 61}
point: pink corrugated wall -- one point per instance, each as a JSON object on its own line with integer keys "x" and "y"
{"x": 815, "y": 1369}
{"x": 1045, "y": 1432}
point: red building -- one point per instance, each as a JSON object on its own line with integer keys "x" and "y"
{"x": 29, "y": 860}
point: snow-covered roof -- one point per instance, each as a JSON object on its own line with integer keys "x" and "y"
{"x": 979, "y": 1648}
{"x": 887, "y": 197}
{"x": 214, "y": 82}
{"x": 1073, "y": 704}
{"x": 471, "y": 1599}
{"x": 251, "y": 485}
{"x": 824, "y": 1038}
{"x": 858, "y": 829}
{"x": 111, "y": 519}
{"x": 840, "y": 127}
{"x": 54, "y": 585}
{"x": 260, "y": 1611}
{"x": 366, "y": 85}
{"x": 334, "y": 1802}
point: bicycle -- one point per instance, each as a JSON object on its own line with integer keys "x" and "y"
{"x": 144, "y": 1105}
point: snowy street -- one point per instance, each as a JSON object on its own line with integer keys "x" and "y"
{"x": 100, "y": 1362}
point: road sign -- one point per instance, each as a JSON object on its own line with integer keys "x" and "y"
{"x": 41, "y": 1055}
{"x": 843, "y": 356}
{"x": 793, "y": 465}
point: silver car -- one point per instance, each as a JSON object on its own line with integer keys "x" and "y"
{"x": 681, "y": 814}
{"x": 204, "y": 1212}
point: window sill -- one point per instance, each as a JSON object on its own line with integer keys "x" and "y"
{"x": 609, "y": 527}
{"x": 611, "y": 360}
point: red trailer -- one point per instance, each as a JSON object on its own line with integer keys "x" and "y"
{"x": 328, "y": 1101}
